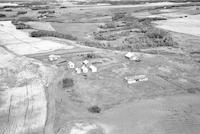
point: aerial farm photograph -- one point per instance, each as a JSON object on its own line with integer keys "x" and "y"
{"x": 99, "y": 66}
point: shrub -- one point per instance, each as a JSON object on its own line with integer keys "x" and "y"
{"x": 91, "y": 56}
{"x": 99, "y": 36}
{"x": 151, "y": 19}
{"x": 22, "y": 26}
{"x": 40, "y": 8}
{"x": 21, "y": 12}
{"x": 118, "y": 16}
{"x": 63, "y": 7}
{"x": 11, "y": 7}
{"x": 94, "y": 109}
{"x": 68, "y": 82}
{"x": 160, "y": 37}
{"x": 107, "y": 25}
{"x": 46, "y": 12}
{"x": 14, "y": 22}
{"x": 156, "y": 33}
{"x": 25, "y": 19}
{"x": 45, "y": 33}
{"x": 2, "y": 15}
{"x": 94, "y": 44}
{"x": 8, "y": 10}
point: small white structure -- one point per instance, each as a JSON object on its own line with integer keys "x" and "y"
{"x": 78, "y": 70}
{"x": 129, "y": 55}
{"x": 84, "y": 69}
{"x": 137, "y": 78}
{"x": 71, "y": 64}
{"x": 93, "y": 68}
{"x": 53, "y": 57}
{"x": 132, "y": 56}
{"x": 85, "y": 62}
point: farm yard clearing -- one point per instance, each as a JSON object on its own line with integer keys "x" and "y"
{"x": 106, "y": 69}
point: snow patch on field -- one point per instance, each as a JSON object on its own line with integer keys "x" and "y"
{"x": 20, "y": 43}
{"x": 187, "y": 25}
{"x": 41, "y": 25}
{"x": 8, "y": 4}
{"x": 80, "y": 128}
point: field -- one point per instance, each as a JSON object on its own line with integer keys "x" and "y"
{"x": 163, "y": 36}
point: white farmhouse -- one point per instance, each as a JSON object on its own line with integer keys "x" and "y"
{"x": 93, "y": 68}
{"x": 129, "y": 55}
{"x": 84, "y": 69}
{"x": 85, "y": 62}
{"x": 71, "y": 64}
{"x": 78, "y": 70}
{"x": 53, "y": 57}
{"x": 132, "y": 56}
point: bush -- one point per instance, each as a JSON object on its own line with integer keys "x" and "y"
{"x": 118, "y": 16}
{"x": 25, "y": 19}
{"x": 22, "y": 26}
{"x": 95, "y": 44}
{"x": 45, "y": 33}
{"x": 8, "y": 10}
{"x": 160, "y": 37}
{"x": 46, "y": 12}
{"x": 2, "y": 15}
{"x": 94, "y": 109}
{"x": 151, "y": 19}
{"x": 68, "y": 82}
{"x": 99, "y": 36}
{"x": 63, "y": 7}
{"x": 21, "y": 12}
{"x": 107, "y": 25}
{"x": 91, "y": 56}
{"x": 40, "y": 8}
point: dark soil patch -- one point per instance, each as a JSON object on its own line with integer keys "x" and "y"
{"x": 68, "y": 82}
{"x": 94, "y": 109}
{"x": 45, "y": 33}
{"x": 193, "y": 90}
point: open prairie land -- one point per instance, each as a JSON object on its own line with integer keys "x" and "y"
{"x": 65, "y": 67}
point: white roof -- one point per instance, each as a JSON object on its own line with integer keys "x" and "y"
{"x": 129, "y": 54}
{"x": 53, "y": 56}
{"x": 93, "y": 68}
{"x": 85, "y": 62}
{"x": 70, "y": 62}
{"x": 85, "y": 69}
{"x": 78, "y": 70}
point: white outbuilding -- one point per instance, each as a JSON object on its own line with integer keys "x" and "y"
{"x": 78, "y": 70}
{"x": 84, "y": 69}
{"x": 53, "y": 57}
{"x": 129, "y": 55}
{"x": 93, "y": 68}
{"x": 85, "y": 62}
{"x": 135, "y": 79}
{"x": 71, "y": 64}
{"x": 132, "y": 56}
